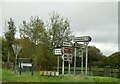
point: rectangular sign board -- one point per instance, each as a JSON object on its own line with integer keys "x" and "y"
{"x": 25, "y": 60}
{"x": 82, "y": 39}
{"x": 26, "y": 64}
{"x": 57, "y": 51}
{"x": 67, "y": 57}
{"x": 82, "y": 46}
{"x": 67, "y": 50}
{"x": 67, "y": 44}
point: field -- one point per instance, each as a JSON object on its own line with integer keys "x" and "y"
{"x": 10, "y": 76}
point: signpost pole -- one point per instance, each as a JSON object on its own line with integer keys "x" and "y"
{"x": 58, "y": 65}
{"x": 15, "y": 64}
{"x": 63, "y": 64}
{"x": 75, "y": 60}
{"x": 86, "y": 58}
{"x": 16, "y": 49}
{"x": 86, "y": 40}
{"x": 82, "y": 61}
{"x": 69, "y": 67}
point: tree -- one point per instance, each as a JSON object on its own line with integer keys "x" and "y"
{"x": 93, "y": 55}
{"x": 44, "y": 59}
{"x": 59, "y": 29}
{"x": 10, "y": 36}
{"x": 35, "y": 32}
{"x": 114, "y": 59}
{"x": 27, "y": 47}
{"x": 4, "y": 49}
{"x": 102, "y": 61}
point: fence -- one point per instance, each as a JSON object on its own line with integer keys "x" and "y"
{"x": 96, "y": 71}
{"x": 105, "y": 71}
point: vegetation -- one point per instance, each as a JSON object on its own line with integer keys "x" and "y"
{"x": 38, "y": 41}
{"x": 10, "y": 76}
{"x": 10, "y": 36}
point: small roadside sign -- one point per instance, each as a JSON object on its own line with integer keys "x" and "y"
{"x": 67, "y": 50}
{"x": 67, "y": 44}
{"x": 57, "y": 51}
{"x": 83, "y": 39}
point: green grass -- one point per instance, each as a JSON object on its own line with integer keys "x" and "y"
{"x": 10, "y": 76}
{"x": 0, "y": 74}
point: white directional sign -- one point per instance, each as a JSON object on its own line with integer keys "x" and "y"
{"x": 83, "y": 39}
{"x": 26, "y": 64}
{"x": 57, "y": 51}
{"x": 67, "y": 44}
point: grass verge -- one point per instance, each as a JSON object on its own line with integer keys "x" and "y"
{"x": 10, "y": 76}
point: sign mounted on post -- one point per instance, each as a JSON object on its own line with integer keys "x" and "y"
{"x": 67, "y": 50}
{"x": 67, "y": 44}
{"x": 25, "y": 62}
{"x": 67, "y": 57}
{"x": 57, "y": 51}
{"x": 83, "y": 39}
{"x": 16, "y": 49}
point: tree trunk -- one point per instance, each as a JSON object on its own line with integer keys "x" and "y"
{"x": 8, "y": 58}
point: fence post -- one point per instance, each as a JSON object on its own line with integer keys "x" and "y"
{"x": 90, "y": 71}
{"x": 106, "y": 71}
{"x": 112, "y": 72}
{"x": 119, "y": 72}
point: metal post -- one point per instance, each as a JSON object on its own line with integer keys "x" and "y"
{"x": 86, "y": 59}
{"x": 16, "y": 49}
{"x": 20, "y": 68}
{"x": 63, "y": 64}
{"x": 69, "y": 67}
{"x": 16, "y": 64}
{"x": 75, "y": 60}
{"x": 81, "y": 61}
{"x": 32, "y": 69}
{"x": 58, "y": 65}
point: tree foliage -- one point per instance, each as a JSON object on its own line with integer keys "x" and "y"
{"x": 34, "y": 31}
{"x": 4, "y": 48}
{"x": 59, "y": 29}
{"x": 27, "y": 47}
{"x": 10, "y": 36}
{"x": 93, "y": 55}
{"x": 114, "y": 59}
{"x": 38, "y": 41}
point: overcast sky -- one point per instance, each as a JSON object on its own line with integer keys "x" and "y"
{"x": 96, "y": 19}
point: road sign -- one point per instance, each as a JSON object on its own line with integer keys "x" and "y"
{"x": 82, "y": 46}
{"x": 67, "y": 57}
{"x": 83, "y": 39}
{"x": 57, "y": 51}
{"x": 16, "y": 49}
{"x": 67, "y": 44}
{"x": 27, "y": 62}
{"x": 67, "y": 50}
